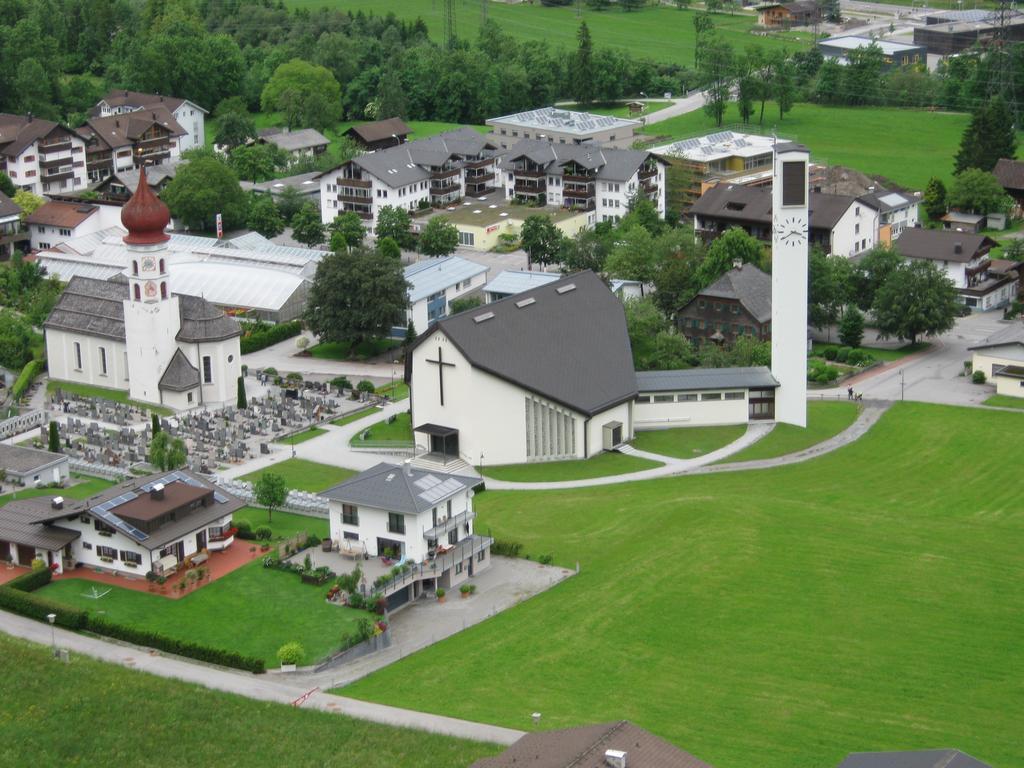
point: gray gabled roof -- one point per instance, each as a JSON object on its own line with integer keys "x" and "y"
{"x": 20, "y": 524}
{"x": 565, "y": 341}
{"x": 291, "y": 141}
{"x": 180, "y": 375}
{"x": 612, "y": 164}
{"x": 941, "y": 245}
{"x": 21, "y": 460}
{"x": 756, "y": 377}
{"x": 393, "y": 488}
{"x": 753, "y": 205}
{"x": 748, "y": 285}
{"x": 924, "y": 758}
{"x": 1012, "y": 334}
{"x": 8, "y": 207}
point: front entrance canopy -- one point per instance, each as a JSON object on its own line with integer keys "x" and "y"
{"x": 436, "y": 430}
{"x": 443, "y": 440}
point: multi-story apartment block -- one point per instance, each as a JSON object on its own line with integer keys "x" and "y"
{"x": 125, "y": 141}
{"x": 189, "y": 115}
{"x": 583, "y": 177}
{"x": 41, "y": 156}
{"x": 429, "y": 172}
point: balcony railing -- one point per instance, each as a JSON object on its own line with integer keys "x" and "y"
{"x": 587, "y": 189}
{"x": 442, "y": 528}
{"x": 648, "y": 173}
{"x": 479, "y": 163}
{"x": 60, "y": 146}
{"x": 352, "y": 182}
{"x": 444, "y": 189}
{"x": 571, "y": 177}
{"x": 524, "y": 188}
{"x": 444, "y": 173}
{"x": 68, "y": 174}
{"x": 477, "y": 177}
{"x": 465, "y": 549}
{"x": 529, "y": 174}
{"x": 354, "y": 198}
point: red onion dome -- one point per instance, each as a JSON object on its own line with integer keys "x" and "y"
{"x": 145, "y": 216}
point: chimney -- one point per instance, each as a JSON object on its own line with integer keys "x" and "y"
{"x": 408, "y": 467}
{"x": 156, "y": 493}
{"x": 958, "y": 247}
{"x": 615, "y": 758}
{"x": 58, "y": 502}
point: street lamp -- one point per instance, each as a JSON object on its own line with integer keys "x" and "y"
{"x": 52, "y": 617}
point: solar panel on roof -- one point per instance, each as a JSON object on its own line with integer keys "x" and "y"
{"x": 426, "y": 482}
{"x": 219, "y": 497}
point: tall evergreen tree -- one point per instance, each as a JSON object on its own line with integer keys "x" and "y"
{"x": 935, "y": 198}
{"x": 582, "y": 67}
{"x": 988, "y": 137}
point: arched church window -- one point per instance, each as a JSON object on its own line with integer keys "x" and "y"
{"x": 162, "y": 268}
{"x": 163, "y": 290}
{"x": 135, "y": 270}
{"x": 138, "y": 294}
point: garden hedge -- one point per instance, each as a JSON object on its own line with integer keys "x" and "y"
{"x": 25, "y": 378}
{"x": 16, "y": 596}
{"x": 32, "y": 580}
{"x": 267, "y": 335}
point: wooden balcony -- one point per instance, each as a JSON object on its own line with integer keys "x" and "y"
{"x": 48, "y": 177}
{"x": 353, "y": 182}
{"x": 349, "y": 198}
{"x": 479, "y": 163}
{"x": 478, "y": 177}
{"x": 648, "y": 174}
{"x": 569, "y": 178}
{"x": 529, "y": 174}
{"x": 444, "y": 174}
{"x": 60, "y": 146}
{"x": 444, "y": 189}
{"x": 524, "y": 188}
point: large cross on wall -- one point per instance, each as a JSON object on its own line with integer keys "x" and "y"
{"x": 441, "y": 365}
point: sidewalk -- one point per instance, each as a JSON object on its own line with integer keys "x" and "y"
{"x": 282, "y": 357}
{"x": 274, "y": 688}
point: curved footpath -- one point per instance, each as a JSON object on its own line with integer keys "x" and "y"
{"x": 871, "y": 412}
{"x": 269, "y": 687}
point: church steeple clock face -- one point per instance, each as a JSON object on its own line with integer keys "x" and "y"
{"x": 791, "y": 230}
{"x": 148, "y": 264}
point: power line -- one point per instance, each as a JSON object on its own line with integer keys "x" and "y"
{"x": 449, "y": 23}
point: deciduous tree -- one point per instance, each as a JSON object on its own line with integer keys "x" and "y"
{"x": 917, "y": 299}
{"x": 732, "y": 247}
{"x": 439, "y": 237}
{"x": 307, "y": 94}
{"x": 307, "y": 227}
{"x": 394, "y": 222}
{"x": 234, "y": 129}
{"x": 851, "y": 328}
{"x": 202, "y": 188}
{"x": 264, "y": 217}
{"x": 271, "y": 492}
{"x": 977, "y": 191}
{"x": 541, "y": 239}
{"x": 871, "y": 272}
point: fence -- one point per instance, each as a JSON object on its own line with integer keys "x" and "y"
{"x": 21, "y": 423}
{"x": 300, "y": 502}
{"x": 98, "y": 470}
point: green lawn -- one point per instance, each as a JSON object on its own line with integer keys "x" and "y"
{"x": 397, "y": 391}
{"x": 253, "y": 610}
{"x": 304, "y": 475}
{"x": 85, "y": 486}
{"x": 342, "y": 350}
{"x": 885, "y": 355}
{"x": 302, "y": 437}
{"x": 106, "y": 715}
{"x": 824, "y": 419}
{"x": 869, "y": 599}
{"x": 687, "y": 442}
{"x": 617, "y": 109}
{"x": 399, "y": 431}
{"x": 356, "y": 416}
{"x": 1005, "y": 401}
{"x": 602, "y": 465}
{"x": 908, "y": 146}
{"x": 660, "y": 33}
{"x": 116, "y": 395}
{"x": 283, "y": 524}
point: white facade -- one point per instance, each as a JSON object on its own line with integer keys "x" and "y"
{"x": 190, "y": 116}
{"x": 50, "y": 236}
{"x": 856, "y": 231}
{"x": 665, "y": 410}
{"x": 84, "y": 359}
{"x": 431, "y": 293}
{"x": 367, "y": 195}
{"x": 790, "y": 221}
{"x": 52, "y": 165}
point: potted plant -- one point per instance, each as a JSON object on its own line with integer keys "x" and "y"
{"x": 472, "y": 589}
{"x": 290, "y": 654}
{"x": 464, "y": 591}
{"x": 440, "y": 594}
{"x": 162, "y": 581}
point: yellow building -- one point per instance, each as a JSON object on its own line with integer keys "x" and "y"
{"x": 482, "y": 223}
{"x": 1001, "y": 357}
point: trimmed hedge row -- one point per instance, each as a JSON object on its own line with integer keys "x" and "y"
{"x": 25, "y": 378}
{"x": 267, "y": 335}
{"x": 506, "y": 548}
{"x": 16, "y": 597}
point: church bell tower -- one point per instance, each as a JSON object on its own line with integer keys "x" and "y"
{"x": 790, "y": 219}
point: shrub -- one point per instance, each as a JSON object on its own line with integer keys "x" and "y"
{"x": 829, "y": 353}
{"x": 257, "y": 336}
{"x": 271, "y": 371}
{"x": 506, "y": 548}
{"x": 25, "y": 378}
{"x": 340, "y": 383}
{"x": 860, "y": 357}
{"x": 355, "y": 600}
{"x": 843, "y": 354}
{"x": 440, "y": 592}
{"x": 423, "y": 204}
{"x": 472, "y": 589}
{"x": 378, "y": 604}
{"x": 15, "y": 597}
{"x": 302, "y": 342}
{"x": 291, "y": 653}
{"x": 464, "y": 589}
{"x": 31, "y": 581}
{"x": 365, "y": 386}
{"x": 978, "y": 377}
{"x": 38, "y": 564}
{"x": 312, "y": 540}
{"x": 545, "y": 559}
{"x": 243, "y": 529}
{"x": 263, "y": 532}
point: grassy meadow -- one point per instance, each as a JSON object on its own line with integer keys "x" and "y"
{"x": 601, "y": 465}
{"x": 825, "y": 419}
{"x": 304, "y": 475}
{"x": 687, "y": 442}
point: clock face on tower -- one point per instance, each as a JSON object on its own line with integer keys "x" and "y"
{"x": 150, "y": 289}
{"x": 148, "y": 264}
{"x": 791, "y": 230}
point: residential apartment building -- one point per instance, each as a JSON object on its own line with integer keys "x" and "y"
{"x": 562, "y": 126}
{"x": 41, "y": 156}
{"x": 189, "y": 115}
{"x": 58, "y": 221}
{"x": 584, "y": 177}
{"x": 897, "y": 211}
{"x": 739, "y": 303}
{"x": 12, "y": 234}
{"x": 430, "y": 172}
{"x": 121, "y": 142}
{"x": 740, "y": 158}
{"x": 307, "y": 142}
{"x": 435, "y": 283}
{"x": 839, "y": 224}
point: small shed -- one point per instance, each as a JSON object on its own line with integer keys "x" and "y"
{"x": 963, "y": 222}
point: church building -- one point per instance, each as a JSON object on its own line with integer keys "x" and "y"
{"x": 133, "y": 333}
{"x": 539, "y": 376}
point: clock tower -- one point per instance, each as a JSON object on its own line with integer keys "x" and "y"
{"x": 790, "y": 221}
{"x": 152, "y": 316}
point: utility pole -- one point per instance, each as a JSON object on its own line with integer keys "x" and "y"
{"x": 483, "y": 11}
{"x": 1002, "y": 81}
{"x": 449, "y": 23}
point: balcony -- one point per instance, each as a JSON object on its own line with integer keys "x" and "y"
{"x": 68, "y": 174}
{"x": 527, "y": 188}
{"x": 478, "y": 177}
{"x": 443, "y": 527}
{"x": 529, "y": 174}
{"x": 578, "y": 203}
{"x": 54, "y": 163}
{"x": 479, "y": 163}
{"x": 353, "y": 198}
{"x": 345, "y": 181}
{"x": 445, "y": 173}
{"x": 444, "y": 189}
{"x": 647, "y": 173}
{"x": 365, "y": 215}
{"x": 569, "y": 178}
{"x": 584, "y": 189}
{"x": 60, "y": 146}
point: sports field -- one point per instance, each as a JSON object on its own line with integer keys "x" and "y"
{"x": 866, "y": 600}
{"x": 658, "y": 33}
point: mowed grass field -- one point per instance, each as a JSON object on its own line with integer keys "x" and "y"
{"x": 88, "y": 713}
{"x": 867, "y": 600}
{"x": 658, "y": 33}
{"x": 825, "y": 419}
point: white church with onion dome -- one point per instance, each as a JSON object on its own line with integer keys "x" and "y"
{"x": 135, "y": 334}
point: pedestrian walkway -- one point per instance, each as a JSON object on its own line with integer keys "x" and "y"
{"x": 282, "y": 356}
{"x": 273, "y": 688}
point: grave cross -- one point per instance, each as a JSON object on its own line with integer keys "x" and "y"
{"x": 440, "y": 363}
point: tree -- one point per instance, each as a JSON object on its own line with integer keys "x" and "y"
{"x": 155, "y": 418}
{"x": 541, "y": 239}
{"x": 729, "y": 249}
{"x": 202, "y": 188}
{"x": 934, "y": 199}
{"x": 27, "y": 201}
{"x": 347, "y": 231}
{"x": 717, "y": 70}
{"x": 15, "y": 340}
{"x": 978, "y": 191}
{"x": 917, "y": 299}
{"x": 234, "y": 129}
{"x": 7, "y": 186}
{"x": 785, "y": 86}
{"x": 830, "y": 287}
{"x": 242, "y": 402}
{"x": 34, "y": 89}
{"x": 851, "y": 328}
{"x": 581, "y": 67}
{"x": 256, "y": 162}
{"x": 270, "y": 492}
{"x": 264, "y": 217}
{"x": 703, "y": 26}
{"x": 439, "y": 237}
{"x": 166, "y": 453}
{"x": 356, "y": 295}
{"x": 989, "y": 136}
{"x": 588, "y": 249}
{"x": 464, "y": 304}
{"x": 289, "y": 203}
{"x": 871, "y": 272}
{"x": 53, "y": 441}
{"x": 394, "y": 222}
{"x": 654, "y": 343}
{"x": 391, "y": 100}
{"x": 633, "y": 257}
{"x": 307, "y": 228}
{"x": 307, "y": 94}
{"x": 643, "y": 213}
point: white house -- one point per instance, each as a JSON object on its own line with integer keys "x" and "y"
{"x": 435, "y": 283}
{"x": 562, "y": 126}
{"x": 540, "y": 376}
{"x": 57, "y": 221}
{"x": 41, "y": 156}
{"x": 145, "y": 524}
{"x": 31, "y": 467}
{"x": 136, "y": 334}
{"x": 307, "y": 142}
{"x": 1001, "y": 357}
{"x": 189, "y": 115}
{"x": 411, "y": 515}
{"x": 121, "y": 142}
{"x": 896, "y": 210}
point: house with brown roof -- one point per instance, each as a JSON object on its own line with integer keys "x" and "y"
{"x": 839, "y": 224}
{"x": 739, "y": 303}
{"x": 1010, "y": 174}
{"x": 608, "y": 745}
{"x": 41, "y": 156}
{"x": 55, "y": 221}
{"x": 963, "y": 256}
{"x": 380, "y": 134}
{"x": 12, "y": 233}
{"x": 150, "y": 523}
{"x": 122, "y": 142}
{"x": 800, "y": 13}
{"x": 189, "y": 115}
